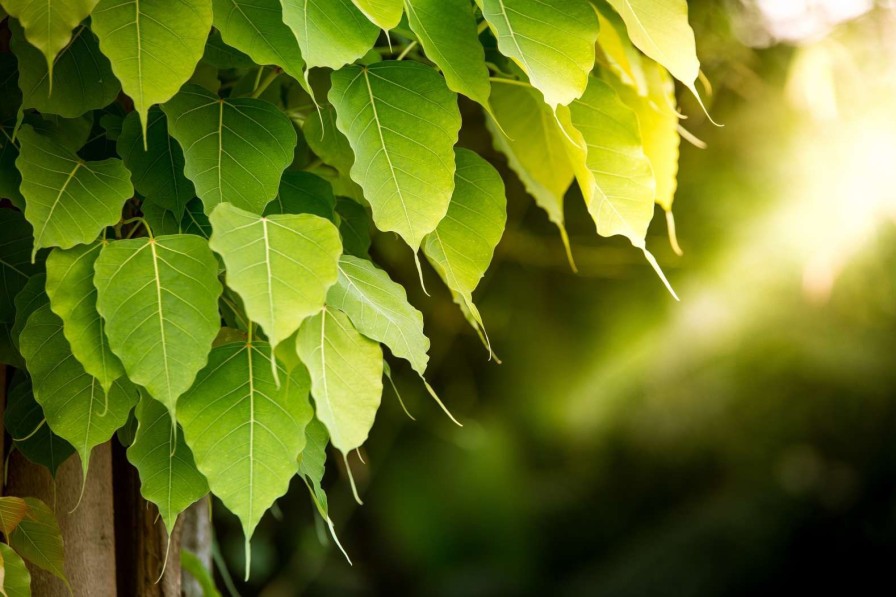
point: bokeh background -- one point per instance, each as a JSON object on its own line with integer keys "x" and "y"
{"x": 740, "y": 441}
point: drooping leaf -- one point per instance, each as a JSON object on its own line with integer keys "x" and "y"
{"x": 159, "y": 300}
{"x": 551, "y": 40}
{"x": 331, "y": 33}
{"x": 223, "y": 56}
{"x": 535, "y": 148}
{"x": 68, "y": 200}
{"x": 246, "y": 433}
{"x": 346, "y": 376}
{"x": 82, "y": 79}
{"x": 461, "y": 248}
{"x": 447, "y": 31}
{"x": 303, "y": 193}
{"x": 76, "y": 408}
{"x": 12, "y": 511}
{"x": 379, "y": 309}
{"x": 73, "y": 298}
{"x": 622, "y": 57}
{"x": 25, "y": 422}
{"x": 158, "y": 171}
{"x": 235, "y": 149}
{"x": 385, "y": 14}
{"x": 190, "y": 563}
{"x": 27, "y": 301}
{"x": 281, "y": 265}
{"x": 168, "y": 475}
{"x": 48, "y": 24}
{"x": 328, "y": 142}
{"x": 354, "y": 227}
{"x": 39, "y": 540}
{"x": 153, "y": 45}
{"x": 312, "y": 463}
{"x": 613, "y": 171}
{"x": 15, "y": 580}
{"x": 15, "y": 269}
{"x": 256, "y": 27}
{"x": 402, "y": 122}
{"x": 661, "y": 30}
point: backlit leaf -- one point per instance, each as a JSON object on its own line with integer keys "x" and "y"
{"x": 331, "y": 33}
{"x": 15, "y": 580}
{"x": 38, "y": 539}
{"x": 385, "y": 14}
{"x": 159, "y": 299}
{"x": 12, "y": 511}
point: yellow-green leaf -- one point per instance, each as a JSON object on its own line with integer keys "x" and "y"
{"x": 331, "y": 33}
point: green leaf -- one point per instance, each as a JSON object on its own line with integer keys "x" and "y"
{"x": 15, "y": 580}
{"x": 246, "y": 433}
{"x": 461, "y": 248}
{"x": 39, "y": 540}
{"x": 303, "y": 193}
{"x": 68, "y": 200}
{"x": 332, "y": 33}
{"x": 168, "y": 475}
{"x": 280, "y": 265}
{"x": 76, "y": 408}
{"x": 385, "y": 14}
{"x": 159, "y": 299}
{"x": 15, "y": 270}
{"x": 614, "y": 174}
{"x": 447, "y": 31}
{"x": 153, "y": 45}
{"x": 624, "y": 60}
{"x": 661, "y": 30}
{"x": 354, "y": 227}
{"x": 256, "y": 27}
{"x": 27, "y": 301}
{"x": 190, "y": 563}
{"x": 551, "y": 40}
{"x": 328, "y": 142}
{"x": 346, "y": 376}
{"x": 12, "y": 511}
{"x": 535, "y": 147}
{"x": 71, "y": 133}
{"x": 10, "y": 179}
{"x": 379, "y": 309}
{"x": 402, "y": 122}
{"x": 82, "y": 79}
{"x": 312, "y": 462}
{"x": 235, "y": 149}
{"x": 73, "y": 298}
{"x": 48, "y": 24}
{"x": 24, "y": 420}
{"x": 158, "y": 171}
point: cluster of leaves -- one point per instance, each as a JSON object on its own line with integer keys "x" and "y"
{"x": 190, "y": 189}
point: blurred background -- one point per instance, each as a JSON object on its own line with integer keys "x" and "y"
{"x": 740, "y": 441}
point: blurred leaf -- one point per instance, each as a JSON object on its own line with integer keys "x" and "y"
{"x": 191, "y": 563}
{"x": 39, "y": 540}
{"x": 15, "y": 580}
{"x": 12, "y": 511}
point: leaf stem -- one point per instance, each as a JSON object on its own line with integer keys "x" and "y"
{"x": 404, "y": 52}
{"x": 509, "y": 82}
{"x": 266, "y": 82}
{"x": 483, "y": 25}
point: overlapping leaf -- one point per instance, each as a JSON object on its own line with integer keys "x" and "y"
{"x": 15, "y": 580}
{"x": 168, "y": 475}
{"x": 246, "y": 433}
{"x": 76, "y": 408}
{"x": 354, "y": 227}
{"x": 331, "y": 33}
{"x": 551, "y": 40}
{"x": 346, "y": 376}
{"x": 38, "y": 539}
{"x": 385, "y": 14}
{"x": 402, "y": 122}
{"x": 68, "y": 200}
{"x": 235, "y": 149}
{"x": 153, "y": 45}
{"x": 13, "y": 510}
{"x": 303, "y": 193}
{"x": 159, "y": 300}
{"x": 15, "y": 270}
{"x": 24, "y": 420}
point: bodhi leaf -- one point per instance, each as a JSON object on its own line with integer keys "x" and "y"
{"x": 13, "y": 510}
{"x": 10, "y": 179}
{"x": 280, "y": 265}
{"x": 168, "y": 475}
{"x": 81, "y": 81}
{"x": 76, "y": 408}
{"x": 379, "y": 309}
{"x": 235, "y": 149}
{"x": 73, "y": 298}
{"x": 15, "y": 270}
{"x": 153, "y": 45}
{"x": 535, "y": 148}
{"x": 354, "y": 227}
{"x": 385, "y": 14}
{"x": 30, "y": 299}
{"x": 48, "y": 24}
{"x": 68, "y": 200}
{"x": 346, "y": 376}
{"x": 159, "y": 299}
{"x": 447, "y": 31}
{"x": 39, "y": 540}
{"x": 71, "y": 133}
{"x": 303, "y": 193}
{"x": 328, "y": 142}
{"x": 402, "y": 122}
{"x": 461, "y": 248}
{"x": 15, "y": 580}
{"x": 25, "y": 422}
{"x": 623, "y": 58}
{"x": 331, "y": 33}
{"x": 256, "y": 27}
{"x": 551, "y": 40}
{"x": 158, "y": 170}
{"x": 246, "y": 433}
